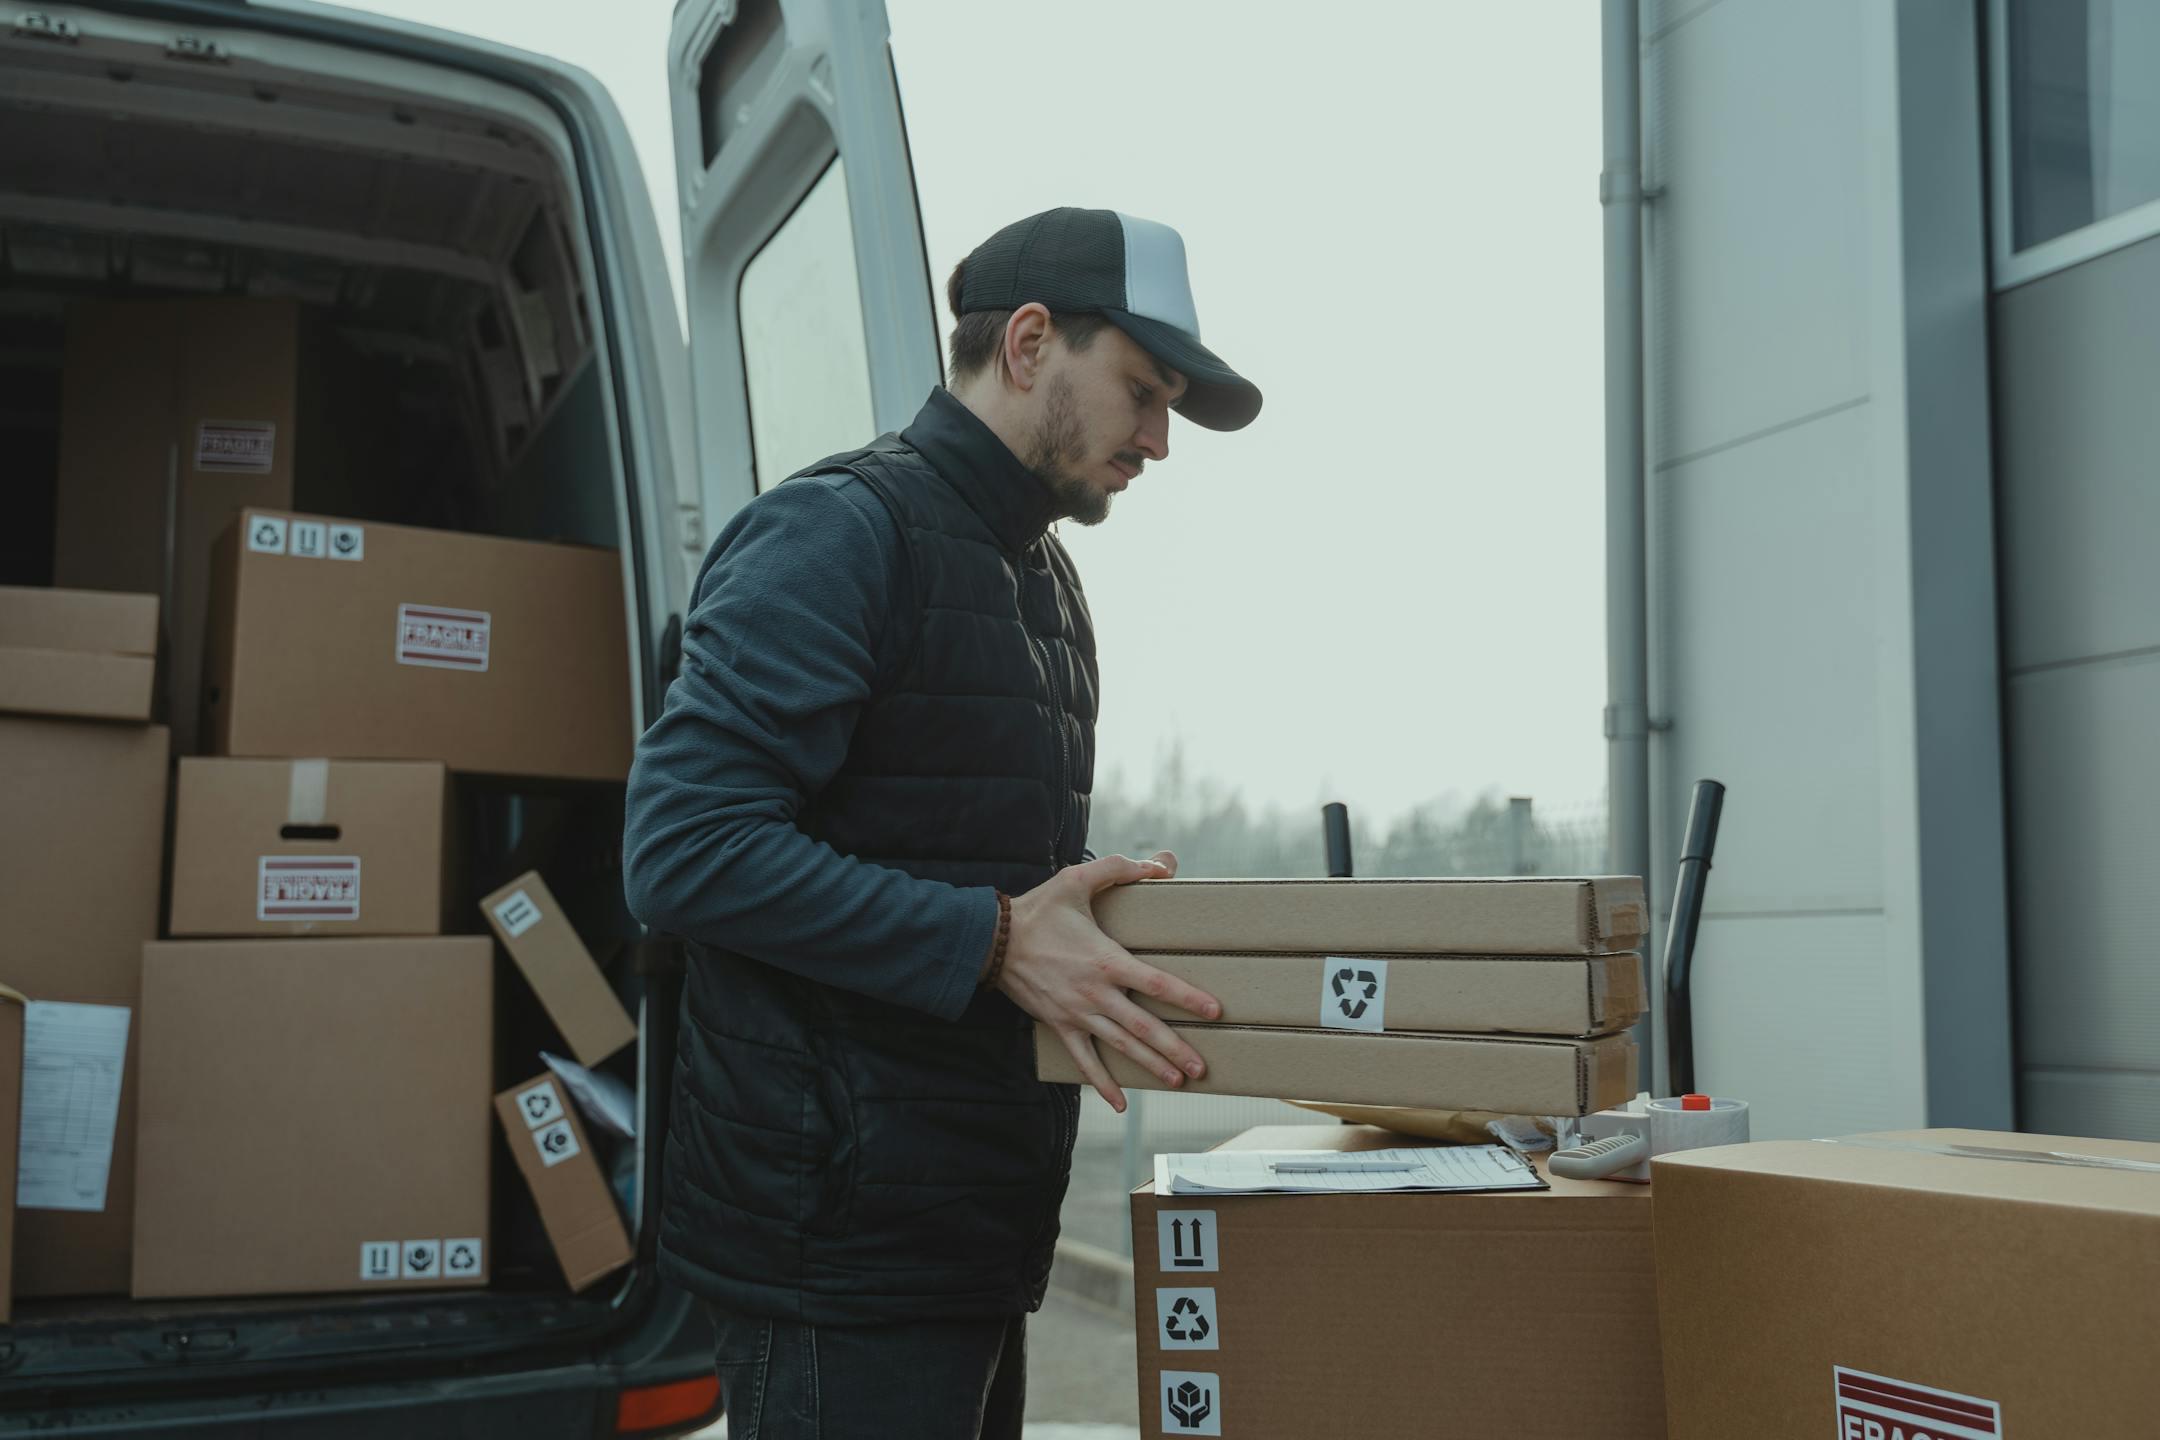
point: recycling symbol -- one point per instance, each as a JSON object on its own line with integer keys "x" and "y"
{"x": 1190, "y": 1404}
{"x": 538, "y": 1103}
{"x": 462, "y": 1257}
{"x": 1347, "y": 981}
{"x": 266, "y": 534}
{"x": 1177, "y": 1328}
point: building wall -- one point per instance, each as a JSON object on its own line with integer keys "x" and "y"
{"x": 2077, "y": 369}
{"x": 1823, "y": 636}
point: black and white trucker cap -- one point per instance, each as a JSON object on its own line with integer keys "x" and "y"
{"x": 1132, "y": 273}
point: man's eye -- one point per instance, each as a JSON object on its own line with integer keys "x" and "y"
{"x": 1143, "y": 393}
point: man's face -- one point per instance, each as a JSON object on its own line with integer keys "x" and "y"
{"x": 1101, "y": 414}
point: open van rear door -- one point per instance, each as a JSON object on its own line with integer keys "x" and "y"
{"x": 811, "y": 323}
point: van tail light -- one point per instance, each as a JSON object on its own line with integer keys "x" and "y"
{"x": 653, "y": 1407}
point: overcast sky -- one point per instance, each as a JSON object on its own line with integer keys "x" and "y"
{"x": 1390, "y": 586}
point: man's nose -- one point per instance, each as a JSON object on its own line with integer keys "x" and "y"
{"x": 1153, "y": 439}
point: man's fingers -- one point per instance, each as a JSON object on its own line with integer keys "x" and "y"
{"x": 1105, "y": 871}
{"x": 1151, "y": 1032}
{"x": 1167, "y": 860}
{"x": 1083, "y": 1053}
{"x": 1145, "y": 979}
{"x": 1118, "y": 1038}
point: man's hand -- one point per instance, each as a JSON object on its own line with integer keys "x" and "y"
{"x": 1062, "y": 969}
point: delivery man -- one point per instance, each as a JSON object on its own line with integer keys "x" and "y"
{"x": 864, "y": 808}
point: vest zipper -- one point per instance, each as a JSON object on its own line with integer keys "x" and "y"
{"x": 1057, "y": 716}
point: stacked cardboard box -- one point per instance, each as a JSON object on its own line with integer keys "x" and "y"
{"x": 1503, "y": 995}
{"x": 80, "y": 865}
{"x": 1528, "y": 1313}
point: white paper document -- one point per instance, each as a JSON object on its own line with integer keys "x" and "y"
{"x": 602, "y": 1099}
{"x": 1338, "y": 1172}
{"x": 72, "y": 1060}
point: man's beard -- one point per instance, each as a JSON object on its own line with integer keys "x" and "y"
{"x": 1058, "y": 445}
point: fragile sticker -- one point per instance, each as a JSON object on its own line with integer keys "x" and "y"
{"x": 379, "y": 1260}
{"x": 347, "y": 542}
{"x": 1353, "y": 994}
{"x": 441, "y": 637}
{"x": 517, "y": 914}
{"x": 266, "y": 535}
{"x": 1191, "y": 1402}
{"x": 310, "y": 539}
{"x": 461, "y": 1258}
{"x": 1875, "y": 1407}
{"x": 308, "y": 887}
{"x": 423, "y": 1259}
{"x": 539, "y": 1104}
{"x": 236, "y": 447}
{"x": 1185, "y": 1240}
{"x": 556, "y": 1143}
{"x": 1185, "y": 1319}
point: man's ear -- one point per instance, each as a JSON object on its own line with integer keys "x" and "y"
{"x": 1027, "y": 338}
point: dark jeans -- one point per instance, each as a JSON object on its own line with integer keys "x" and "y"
{"x": 929, "y": 1380}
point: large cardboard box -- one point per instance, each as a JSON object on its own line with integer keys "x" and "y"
{"x": 315, "y": 1116}
{"x": 1516, "y": 1075}
{"x": 1511, "y": 994}
{"x": 555, "y": 962}
{"x": 11, "y": 1078}
{"x": 174, "y": 414}
{"x": 1533, "y": 916}
{"x": 1527, "y": 1314}
{"x": 81, "y": 861}
{"x": 82, "y": 653}
{"x": 505, "y": 657}
{"x": 310, "y": 847}
{"x": 556, "y": 1157}
{"x": 1939, "y": 1283}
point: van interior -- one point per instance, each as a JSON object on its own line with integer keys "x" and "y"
{"x": 436, "y": 242}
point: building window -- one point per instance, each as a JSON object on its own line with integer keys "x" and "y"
{"x": 805, "y": 358}
{"x": 2077, "y": 127}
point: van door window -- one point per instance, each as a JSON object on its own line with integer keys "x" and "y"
{"x": 805, "y": 362}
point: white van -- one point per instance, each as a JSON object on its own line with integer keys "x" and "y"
{"x": 474, "y": 219}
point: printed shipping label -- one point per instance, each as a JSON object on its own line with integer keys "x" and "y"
{"x": 539, "y": 1105}
{"x": 517, "y": 914}
{"x": 444, "y": 638}
{"x": 1875, "y": 1407}
{"x": 379, "y": 1260}
{"x": 1185, "y": 1319}
{"x": 73, "y": 1059}
{"x": 237, "y": 447}
{"x": 461, "y": 1257}
{"x": 266, "y": 535}
{"x": 556, "y": 1143}
{"x": 1185, "y": 1240}
{"x": 1191, "y": 1402}
{"x": 308, "y": 887}
{"x": 1353, "y": 994}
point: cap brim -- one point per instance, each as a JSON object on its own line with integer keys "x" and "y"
{"x": 1215, "y": 395}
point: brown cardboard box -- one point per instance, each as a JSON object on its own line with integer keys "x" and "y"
{"x": 302, "y": 847}
{"x": 1517, "y": 1075}
{"x": 314, "y": 1116}
{"x": 1510, "y": 994}
{"x": 11, "y": 1076}
{"x": 1457, "y": 917}
{"x": 174, "y": 414}
{"x": 559, "y": 968}
{"x": 1527, "y": 1314}
{"x": 1876, "y": 1287}
{"x": 557, "y": 1160}
{"x": 77, "y": 652}
{"x": 495, "y": 656}
{"x": 81, "y": 859}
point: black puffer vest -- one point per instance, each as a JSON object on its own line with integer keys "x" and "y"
{"x": 842, "y": 1160}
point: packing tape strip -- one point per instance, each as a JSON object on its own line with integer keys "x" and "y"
{"x": 308, "y": 798}
{"x": 9, "y": 992}
{"x": 1992, "y": 1152}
